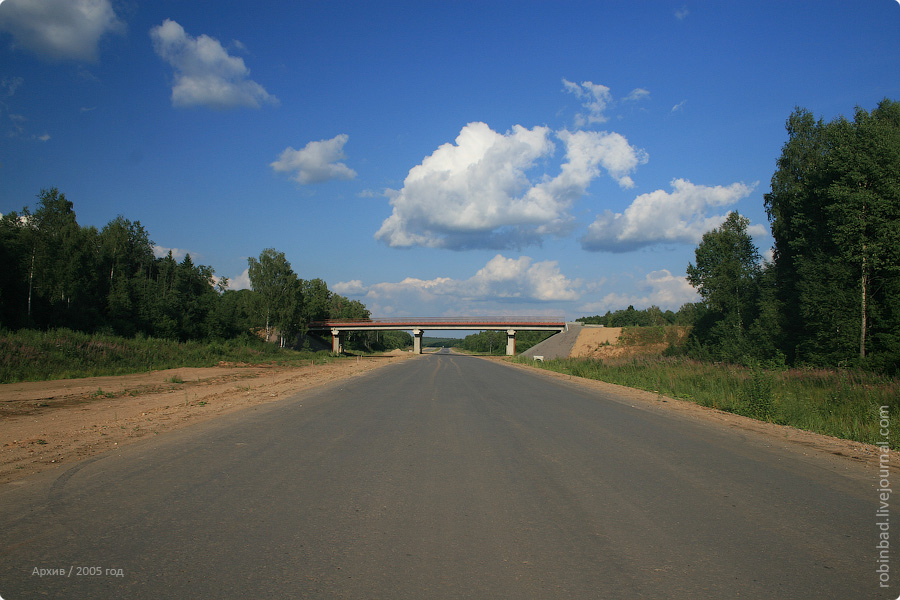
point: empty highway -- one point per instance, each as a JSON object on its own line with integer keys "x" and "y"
{"x": 445, "y": 476}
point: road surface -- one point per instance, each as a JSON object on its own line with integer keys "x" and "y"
{"x": 445, "y": 477}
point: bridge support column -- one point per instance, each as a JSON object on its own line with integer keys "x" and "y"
{"x": 417, "y": 341}
{"x": 510, "y": 342}
{"x": 337, "y": 340}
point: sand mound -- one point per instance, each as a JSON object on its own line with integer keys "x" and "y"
{"x": 608, "y": 342}
{"x": 597, "y": 342}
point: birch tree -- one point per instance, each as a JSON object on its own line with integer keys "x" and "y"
{"x": 275, "y": 284}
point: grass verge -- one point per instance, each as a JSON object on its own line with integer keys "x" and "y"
{"x": 851, "y": 405}
{"x": 29, "y": 355}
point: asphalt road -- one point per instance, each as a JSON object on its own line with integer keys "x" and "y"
{"x": 445, "y": 477}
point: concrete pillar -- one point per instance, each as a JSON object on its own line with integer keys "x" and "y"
{"x": 417, "y": 341}
{"x": 510, "y": 342}
{"x": 337, "y": 341}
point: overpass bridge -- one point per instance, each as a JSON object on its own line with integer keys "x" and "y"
{"x": 418, "y": 325}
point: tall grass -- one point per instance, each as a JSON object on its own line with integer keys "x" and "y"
{"x": 843, "y": 403}
{"x": 29, "y": 355}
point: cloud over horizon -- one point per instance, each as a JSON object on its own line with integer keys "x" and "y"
{"x": 504, "y": 285}
{"x": 177, "y": 253}
{"x": 659, "y": 288}
{"x": 205, "y": 74}
{"x": 239, "y": 282}
{"x": 502, "y": 282}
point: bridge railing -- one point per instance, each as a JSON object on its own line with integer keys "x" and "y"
{"x": 437, "y": 321}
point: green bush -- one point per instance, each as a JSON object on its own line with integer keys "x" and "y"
{"x": 757, "y": 396}
{"x": 29, "y": 355}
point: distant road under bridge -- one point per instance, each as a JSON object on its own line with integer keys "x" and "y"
{"x": 340, "y": 327}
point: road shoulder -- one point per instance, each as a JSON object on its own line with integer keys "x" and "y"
{"x": 808, "y": 443}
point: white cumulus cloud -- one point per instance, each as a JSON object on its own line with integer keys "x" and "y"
{"x": 680, "y": 216}
{"x": 659, "y": 288}
{"x": 60, "y": 29}
{"x": 586, "y": 150}
{"x": 316, "y": 162}
{"x": 520, "y": 278}
{"x": 502, "y": 282}
{"x": 477, "y": 193}
{"x": 205, "y": 74}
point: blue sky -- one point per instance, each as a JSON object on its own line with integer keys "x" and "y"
{"x": 430, "y": 158}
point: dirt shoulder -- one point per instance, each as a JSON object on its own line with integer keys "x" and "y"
{"x": 48, "y": 424}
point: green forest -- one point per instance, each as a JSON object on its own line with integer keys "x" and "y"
{"x": 58, "y": 274}
{"x": 830, "y": 296}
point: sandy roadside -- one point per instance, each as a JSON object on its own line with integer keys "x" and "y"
{"x": 606, "y": 343}
{"x": 51, "y": 424}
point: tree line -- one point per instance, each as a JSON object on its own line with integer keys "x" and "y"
{"x": 831, "y": 294}
{"x": 648, "y": 317}
{"x": 59, "y": 274}
{"x": 829, "y": 297}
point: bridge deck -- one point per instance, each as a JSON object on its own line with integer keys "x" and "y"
{"x": 445, "y": 323}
